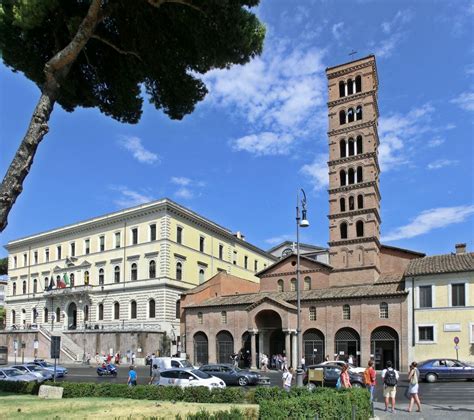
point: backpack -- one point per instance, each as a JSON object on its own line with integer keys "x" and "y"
{"x": 390, "y": 378}
{"x": 367, "y": 379}
{"x": 339, "y": 383}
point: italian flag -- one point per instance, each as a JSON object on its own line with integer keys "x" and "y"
{"x": 62, "y": 283}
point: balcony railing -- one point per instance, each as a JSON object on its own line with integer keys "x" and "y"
{"x": 72, "y": 290}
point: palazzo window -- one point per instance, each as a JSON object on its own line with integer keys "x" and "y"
{"x": 45, "y": 315}
{"x": 179, "y": 234}
{"x": 153, "y": 232}
{"x": 201, "y": 276}
{"x": 117, "y": 274}
{"x": 134, "y": 236}
{"x": 458, "y": 294}
{"x": 71, "y": 279}
{"x": 14, "y": 289}
{"x": 35, "y": 256}
{"x": 426, "y": 299}
{"x": 46, "y": 255}
{"x": 151, "y": 308}
{"x": 102, "y": 243}
{"x": 101, "y": 311}
{"x": 58, "y": 251}
{"x": 152, "y": 269}
{"x": 201, "y": 244}
{"x": 426, "y": 334}
{"x": 117, "y": 239}
{"x": 24, "y": 288}
{"x": 134, "y": 272}
{"x": 179, "y": 271}
{"x": 86, "y": 278}
{"x": 116, "y": 310}
{"x": 221, "y": 252}
{"x": 73, "y": 249}
{"x": 35, "y": 286}
{"x": 133, "y": 309}
{"x": 246, "y": 261}
{"x": 101, "y": 276}
{"x": 87, "y": 246}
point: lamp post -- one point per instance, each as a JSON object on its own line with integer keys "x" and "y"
{"x": 84, "y": 362}
{"x": 300, "y": 222}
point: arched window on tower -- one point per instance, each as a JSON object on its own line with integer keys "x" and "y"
{"x": 351, "y": 203}
{"x": 360, "y": 201}
{"x": 358, "y": 83}
{"x": 360, "y": 228}
{"x": 359, "y": 174}
{"x": 351, "y": 147}
{"x": 342, "y": 203}
{"x": 179, "y": 271}
{"x": 343, "y": 230}
{"x": 342, "y": 176}
{"x": 360, "y": 148}
{"x": 342, "y": 117}
{"x": 351, "y": 176}
{"x": 280, "y": 285}
{"x": 342, "y": 89}
{"x": 350, "y": 87}
{"x": 350, "y": 115}
{"x": 359, "y": 113}
{"x": 342, "y": 148}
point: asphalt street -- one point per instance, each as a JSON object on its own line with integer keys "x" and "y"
{"x": 455, "y": 393}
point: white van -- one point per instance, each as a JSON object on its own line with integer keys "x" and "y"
{"x": 164, "y": 363}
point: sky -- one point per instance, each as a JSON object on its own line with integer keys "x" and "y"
{"x": 261, "y": 132}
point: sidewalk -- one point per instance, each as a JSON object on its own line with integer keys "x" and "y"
{"x": 429, "y": 411}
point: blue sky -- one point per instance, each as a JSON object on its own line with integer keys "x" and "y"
{"x": 260, "y": 134}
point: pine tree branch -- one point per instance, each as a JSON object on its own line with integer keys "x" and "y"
{"x": 119, "y": 50}
{"x": 159, "y": 3}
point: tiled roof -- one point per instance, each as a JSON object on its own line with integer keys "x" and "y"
{"x": 368, "y": 290}
{"x": 437, "y": 264}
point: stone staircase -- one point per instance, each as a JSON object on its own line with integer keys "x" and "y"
{"x": 68, "y": 347}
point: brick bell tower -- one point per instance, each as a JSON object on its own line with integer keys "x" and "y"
{"x": 354, "y": 197}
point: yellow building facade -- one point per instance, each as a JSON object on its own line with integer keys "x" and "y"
{"x": 441, "y": 306}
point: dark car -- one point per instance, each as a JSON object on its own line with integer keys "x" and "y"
{"x": 445, "y": 369}
{"x": 331, "y": 375}
{"x": 232, "y": 375}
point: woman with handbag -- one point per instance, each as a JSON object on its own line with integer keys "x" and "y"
{"x": 413, "y": 377}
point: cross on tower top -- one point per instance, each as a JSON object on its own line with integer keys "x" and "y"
{"x": 352, "y": 53}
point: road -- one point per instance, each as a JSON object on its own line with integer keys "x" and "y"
{"x": 446, "y": 393}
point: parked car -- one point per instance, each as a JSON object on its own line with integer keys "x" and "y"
{"x": 171, "y": 362}
{"x": 39, "y": 372}
{"x": 331, "y": 375}
{"x": 341, "y": 363}
{"x": 60, "y": 371}
{"x": 445, "y": 369}
{"x": 232, "y": 375}
{"x": 189, "y": 377}
{"x": 15, "y": 375}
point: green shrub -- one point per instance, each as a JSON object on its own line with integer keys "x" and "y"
{"x": 232, "y": 414}
{"x": 19, "y": 387}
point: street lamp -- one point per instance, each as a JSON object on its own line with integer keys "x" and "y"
{"x": 300, "y": 222}
{"x": 83, "y": 332}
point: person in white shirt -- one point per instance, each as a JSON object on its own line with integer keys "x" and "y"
{"x": 287, "y": 378}
{"x": 390, "y": 379}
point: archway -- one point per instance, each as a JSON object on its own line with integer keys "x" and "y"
{"x": 245, "y": 351}
{"x": 384, "y": 347}
{"x": 72, "y": 316}
{"x": 270, "y": 337}
{"x": 313, "y": 346}
{"x": 347, "y": 343}
{"x": 224, "y": 347}
{"x": 201, "y": 349}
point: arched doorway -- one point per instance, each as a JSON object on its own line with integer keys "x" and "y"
{"x": 72, "y": 316}
{"x": 347, "y": 342}
{"x": 313, "y": 346}
{"x": 201, "y": 349}
{"x": 384, "y": 347}
{"x": 245, "y": 351}
{"x": 224, "y": 347}
{"x": 270, "y": 337}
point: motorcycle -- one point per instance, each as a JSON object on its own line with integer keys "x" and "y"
{"x": 107, "y": 370}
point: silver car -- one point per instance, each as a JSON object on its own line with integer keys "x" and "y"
{"x": 15, "y": 375}
{"x": 39, "y": 372}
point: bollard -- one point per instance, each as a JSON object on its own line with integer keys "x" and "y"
{"x": 354, "y": 411}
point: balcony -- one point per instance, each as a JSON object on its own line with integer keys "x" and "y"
{"x": 69, "y": 291}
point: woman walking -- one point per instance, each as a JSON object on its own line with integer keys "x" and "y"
{"x": 413, "y": 377}
{"x": 345, "y": 379}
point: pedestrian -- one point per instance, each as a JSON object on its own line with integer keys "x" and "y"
{"x": 285, "y": 363}
{"x": 109, "y": 358}
{"x": 327, "y": 357}
{"x": 97, "y": 359}
{"x": 370, "y": 378}
{"x": 155, "y": 375}
{"x": 390, "y": 379}
{"x": 345, "y": 378}
{"x": 350, "y": 359}
{"x": 132, "y": 377}
{"x": 287, "y": 377}
{"x": 413, "y": 378}
{"x": 303, "y": 363}
{"x": 133, "y": 358}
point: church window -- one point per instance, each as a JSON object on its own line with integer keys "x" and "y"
{"x": 351, "y": 203}
{"x": 223, "y": 317}
{"x": 342, "y": 148}
{"x": 350, "y": 115}
{"x": 342, "y": 89}
{"x": 343, "y": 229}
{"x": 351, "y": 147}
{"x": 350, "y": 87}
{"x": 342, "y": 176}
{"x": 346, "y": 312}
{"x": 293, "y": 285}
{"x": 360, "y": 201}
{"x": 200, "y": 318}
{"x": 360, "y": 228}
{"x": 312, "y": 313}
{"x": 280, "y": 285}
{"x": 351, "y": 176}
{"x": 358, "y": 84}
{"x": 359, "y": 145}
{"x": 359, "y": 113}
{"x": 383, "y": 311}
{"x": 342, "y": 117}
{"x": 307, "y": 283}
{"x": 342, "y": 203}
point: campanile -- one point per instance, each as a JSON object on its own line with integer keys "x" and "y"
{"x": 354, "y": 197}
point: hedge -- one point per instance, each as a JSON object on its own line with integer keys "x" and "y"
{"x": 232, "y": 414}
{"x": 19, "y": 387}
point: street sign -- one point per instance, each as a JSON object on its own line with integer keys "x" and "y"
{"x": 456, "y": 340}
{"x": 456, "y": 347}
{"x": 55, "y": 346}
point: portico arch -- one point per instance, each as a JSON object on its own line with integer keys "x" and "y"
{"x": 201, "y": 349}
{"x": 224, "y": 346}
{"x": 313, "y": 346}
{"x": 347, "y": 343}
{"x": 384, "y": 346}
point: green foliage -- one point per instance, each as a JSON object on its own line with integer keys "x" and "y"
{"x": 19, "y": 387}
{"x": 232, "y": 414}
{"x": 165, "y": 345}
{"x": 3, "y": 265}
{"x": 137, "y": 48}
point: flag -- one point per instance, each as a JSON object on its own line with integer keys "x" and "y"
{"x": 61, "y": 284}
{"x": 51, "y": 283}
{"x": 66, "y": 280}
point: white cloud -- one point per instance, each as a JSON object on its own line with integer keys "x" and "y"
{"x": 280, "y": 95}
{"x": 441, "y": 163}
{"x": 394, "y": 30}
{"x": 134, "y": 145}
{"x": 279, "y": 239}
{"x": 130, "y": 198}
{"x": 429, "y": 220}
{"x": 337, "y": 30}
{"x": 187, "y": 187}
{"x": 437, "y": 141}
{"x": 465, "y": 101}
{"x": 317, "y": 171}
{"x": 401, "y": 17}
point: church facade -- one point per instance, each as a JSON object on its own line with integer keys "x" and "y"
{"x": 356, "y": 304}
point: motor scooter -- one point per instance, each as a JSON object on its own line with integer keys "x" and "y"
{"x": 107, "y": 370}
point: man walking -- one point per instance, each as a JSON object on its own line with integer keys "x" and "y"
{"x": 369, "y": 378}
{"x": 287, "y": 377}
{"x": 132, "y": 377}
{"x": 390, "y": 379}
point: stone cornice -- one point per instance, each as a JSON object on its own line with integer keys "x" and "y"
{"x": 354, "y": 158}
{"x": 355, "y": 241}
{"x": 352, "y": 187}
{"x": 353, "y": 68}
{"x": 293, "y": 273}
{"x": 355, "y": 97}
{"x": 352, "y": 127}
{"x": 367, "y": 267}
{"x": 356, "y": 213}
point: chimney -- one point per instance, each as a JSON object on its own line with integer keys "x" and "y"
{"x": 460, "y": 248}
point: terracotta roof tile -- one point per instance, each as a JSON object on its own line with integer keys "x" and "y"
{"x": 437, "y": 264}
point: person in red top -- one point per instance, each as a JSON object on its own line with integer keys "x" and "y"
{"x": 369, "y": 378}
{"x": 345, "y": 379}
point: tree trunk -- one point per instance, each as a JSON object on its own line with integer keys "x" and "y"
{"x": 55, "y": 70}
